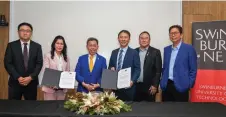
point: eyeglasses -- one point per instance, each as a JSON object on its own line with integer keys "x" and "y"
{"x": 25, "y": 31}
{"x": 173, "y": 33}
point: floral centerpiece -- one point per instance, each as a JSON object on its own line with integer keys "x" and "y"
{"x": 96, "y": 104}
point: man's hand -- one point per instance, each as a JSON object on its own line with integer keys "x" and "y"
{"x": 113, "y": 68}
{"x": 95, "y": 86}
{"x": 152, "y": 90}
{"x": 131, "y": 83}
{"x": 26, "y": 80}
{"x": 21, "y": 80}
{"x": 87, "y": 86}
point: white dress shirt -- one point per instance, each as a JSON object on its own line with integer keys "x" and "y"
{"x": 60, "y": 60}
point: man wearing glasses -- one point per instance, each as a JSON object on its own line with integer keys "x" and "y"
{"x": 23, "y": 61}
{"x": 179, "y": 67}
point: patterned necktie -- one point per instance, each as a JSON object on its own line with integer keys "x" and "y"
{"x": 91, "y": 63}
{"x": 119, "y": 66}
{"x": 25, "y": 56}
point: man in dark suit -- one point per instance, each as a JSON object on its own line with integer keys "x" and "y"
{"x": 151, "y": 67}
{"x": 125, "y": 57}
{"x": 179, "y": 67}
{"x": 23, "y": 61}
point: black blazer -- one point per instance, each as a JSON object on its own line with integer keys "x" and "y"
{"x": 14, "y": 63}
{"x": 152, "y": 68}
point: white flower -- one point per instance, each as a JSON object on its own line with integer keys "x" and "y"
{"x": 116, "y": 108}
{"x": 73, "y": 101}
{"x": 92, "y": 100}
{"x": 87, "y": 102}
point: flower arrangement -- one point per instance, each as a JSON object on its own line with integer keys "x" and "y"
{"x": 96, "y": 104}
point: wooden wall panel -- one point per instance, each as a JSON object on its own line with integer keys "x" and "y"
{"x": 194, "y": 11}
{"x": 187, "y": 22}
{"x": 197, "y": 7}
{"x": 221, "y": 10}
{"x": 4, "y": 39}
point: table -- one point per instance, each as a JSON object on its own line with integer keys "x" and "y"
{"x": 15, "y": 108}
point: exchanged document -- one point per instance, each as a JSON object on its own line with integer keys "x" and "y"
{"x": 124, "y": 78}
{"x": 67, "y": 80}
{"x": 116, "y": 79}
{"x": 59, "y": 79}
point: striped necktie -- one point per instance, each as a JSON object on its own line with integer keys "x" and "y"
{"x": 119, "y": 66}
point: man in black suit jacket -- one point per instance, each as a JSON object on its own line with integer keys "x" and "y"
{"x": 23, "y": 61}
{"x": 151, "y": 67}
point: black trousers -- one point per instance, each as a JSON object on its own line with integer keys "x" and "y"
{"x": 143, "y": 94}
{"x": 16, "y": 91}
{"x": 171, "y": 94}
{"x": 125, "y": 94}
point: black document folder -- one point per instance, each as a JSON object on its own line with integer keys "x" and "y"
{"x": 51, "y": 77}
{"x": 109, "y": 79}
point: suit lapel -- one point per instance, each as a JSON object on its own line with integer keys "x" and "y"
{"x": 31, "y": 48}
{"x": 64, "y": 64}
{"x": 87, "y": 62}
{"x": 126, "y": 57}
{"x": 168, "y": 53}
{"x": 116, "y": 58}
{"x": 148, "y": 54}
{"x": 97, "y": 62}
{"x": 179, "y": 53}
{"x": 56, "y": 60}
{"x": 19, "y": 48}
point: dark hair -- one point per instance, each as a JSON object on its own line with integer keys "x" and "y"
{"x": 64, "y": 51}
{"x": 25, "y": 24}
{"x": 124, "y": 31}
{"x": 91, "y": 39}
{"x": 146, "y": 33}
{"x": 180, "y": 29}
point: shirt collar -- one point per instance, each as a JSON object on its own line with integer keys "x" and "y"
{"x": 93, "y": 55}
{"x": 145, "y": 49}
{"x": 59, "y": 56}
{"x": 124, "y": 49}
{"x": 178, "y": 46}
{"x": 22, "y": 43}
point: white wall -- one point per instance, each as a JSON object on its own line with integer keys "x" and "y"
{"x": 77, "y": 21}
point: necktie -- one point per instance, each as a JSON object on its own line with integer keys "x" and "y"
{"x": 120, "y": 60}
{"x": 25, "y": 56}
{"x": 91, "y": 63}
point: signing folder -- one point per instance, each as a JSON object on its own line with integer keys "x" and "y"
{"x": 58, "y": 79}
{"x": 116, "y": 79}
{"x": 51, "y": 77}
{"x": 109, "y": 79}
